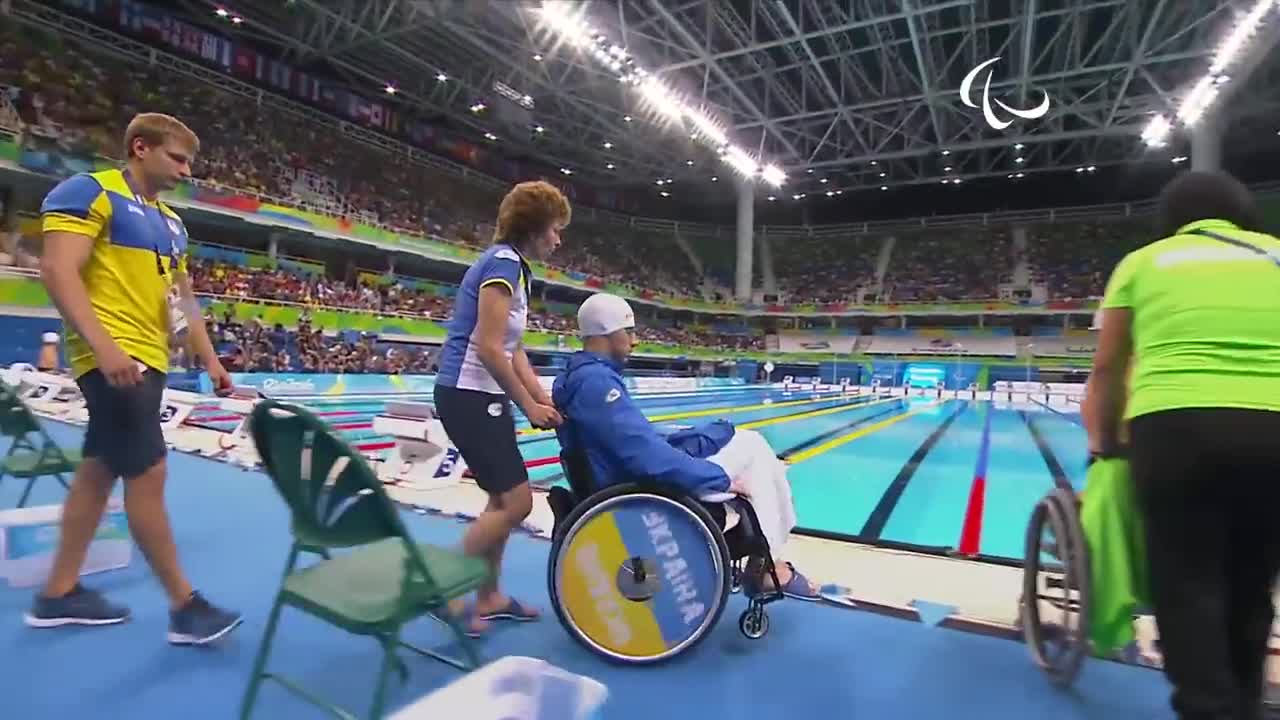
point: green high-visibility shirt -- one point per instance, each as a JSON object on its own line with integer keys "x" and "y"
{"x": 1206, "y": 320}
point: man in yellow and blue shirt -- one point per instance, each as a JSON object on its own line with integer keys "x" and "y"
{"x": 114, "y": 263}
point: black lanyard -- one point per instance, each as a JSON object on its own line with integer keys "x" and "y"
{"x": 1275, "y": 260}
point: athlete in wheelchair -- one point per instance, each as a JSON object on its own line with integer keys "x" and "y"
{"x": 650, "y": 537}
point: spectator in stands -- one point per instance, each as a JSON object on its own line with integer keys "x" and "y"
{"x": 113, "y": 254}
{"x": 620, "y": 445}
{"x": 483, "y": 368}
{"x": 1197, "y": 317}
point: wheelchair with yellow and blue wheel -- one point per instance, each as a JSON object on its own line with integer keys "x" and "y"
{"x": 640, "y": 573}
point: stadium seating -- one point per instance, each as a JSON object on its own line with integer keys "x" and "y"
{"x": 80, "y": 102}
{"x": 928, "y": 341}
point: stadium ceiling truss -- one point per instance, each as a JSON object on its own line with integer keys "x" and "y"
{"x": 842, "y": 94}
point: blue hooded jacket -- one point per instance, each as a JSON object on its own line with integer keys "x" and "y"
{"x": 621, "y": 445}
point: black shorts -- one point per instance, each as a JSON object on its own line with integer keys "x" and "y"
{"x": 124, "y": 423}
{"x": 481, "y": 426}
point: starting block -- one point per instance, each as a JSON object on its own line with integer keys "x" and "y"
{"x": 424, "y": 457}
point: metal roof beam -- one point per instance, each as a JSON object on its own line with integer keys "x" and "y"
{"x": 1114, "y": 130}
{"x": 1043, "y": 78}
{"x": 716, "y": 57}
{"x": 924, "y": 67}
{"x": 692, "y": 43}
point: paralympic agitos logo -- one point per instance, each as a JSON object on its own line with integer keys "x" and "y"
{"x": 988, "y": 113}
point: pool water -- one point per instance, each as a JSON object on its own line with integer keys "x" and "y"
{"x": 951, "y": 474}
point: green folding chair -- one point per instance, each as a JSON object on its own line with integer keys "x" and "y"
{"x": 32, "y": 453}
{"x": 384, "y": 581}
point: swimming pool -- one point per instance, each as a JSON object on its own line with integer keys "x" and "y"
{"x": 950, "y": 474}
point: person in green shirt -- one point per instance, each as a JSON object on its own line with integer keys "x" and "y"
{"x": 1194, "y": 321}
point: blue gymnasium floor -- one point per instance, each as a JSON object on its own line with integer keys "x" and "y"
{"x": 817, "y": 662}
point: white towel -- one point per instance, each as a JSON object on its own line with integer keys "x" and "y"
{"x": 749, "y": 458}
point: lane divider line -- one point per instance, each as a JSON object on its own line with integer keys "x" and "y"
{"x": 530, "y": 432}
{"x": 873, "y": 528}
{"x": 860, "y": 433}
{"x": 971, "y": 528}
{"x": 844, "y": 428}
{"x": 539, "y": 462}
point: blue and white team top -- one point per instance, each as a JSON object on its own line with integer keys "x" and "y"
{"x": 460, "y": 365}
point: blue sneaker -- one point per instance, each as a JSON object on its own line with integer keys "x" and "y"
{"x": 81, "y": 606}
{"x": 199, "y": 622}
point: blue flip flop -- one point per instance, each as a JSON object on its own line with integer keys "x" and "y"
{"x": 513, "y": 611}
{"x": 467, "y": 620}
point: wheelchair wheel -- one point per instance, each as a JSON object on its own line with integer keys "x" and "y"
{"x": 1055, "y": 588}
{"x": 754, "y": 622}
{"x": 639, "y": 575}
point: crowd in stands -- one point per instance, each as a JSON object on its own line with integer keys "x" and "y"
{"x": 232, "y": 283}
{"x": 1075, "y": 260}
{"x": 954, "y": 264}
{"x": 61, "y": 92}
{"x": 57, "y": 92}
{"x": 253, "y": 347}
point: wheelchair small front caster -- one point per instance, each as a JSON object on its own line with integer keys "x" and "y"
{"x": 754, "y": 622}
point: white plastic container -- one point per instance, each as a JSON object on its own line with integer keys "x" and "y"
{"x": 29, "y": 539}
{"x": 513, "y": 688}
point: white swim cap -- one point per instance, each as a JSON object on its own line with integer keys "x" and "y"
{"x": 604, "y": 314}
{"x": 49, "y": 337}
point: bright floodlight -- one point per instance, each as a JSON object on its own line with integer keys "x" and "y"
{"x": 773, "y": 175}
{"x": 1240, "y": 35}
{"x": 651, "y": 89}
{"x": 1157, "y": 131}
{"x": 1198, "y": 101}
{"x": 740, "y": 161}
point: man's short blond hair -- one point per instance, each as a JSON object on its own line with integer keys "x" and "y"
{"x": 155, "y": 129}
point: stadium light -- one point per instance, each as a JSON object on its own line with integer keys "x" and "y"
{"x": 884, "y": 187}
{"x": 664, "y": 193}
{"x": 537, "y": 57}
{"x": 742, "y": 162}
{"x": 608, "y": 166}
{"x": 1248, "y": 26}
{"x": 390, "y": 89}
{"x": 566, "y": 171}
{"x": 566, "y": 19}
{"x": 772, "y": 198}
{"x": 715, "y": 178}
{"x": 441, "y": 77}
{"x": 1156, "y": 134}
{"x": 539, "y": 129}
{"x": 946, "y": 153}
{"x": 608, "y": 145}
{"x": 490, "y": 136}
{"x": 1198, "y": 101}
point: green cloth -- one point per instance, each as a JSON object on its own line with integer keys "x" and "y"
{"x": 1206, "y": 323}
{"x": 1113, "y": 532}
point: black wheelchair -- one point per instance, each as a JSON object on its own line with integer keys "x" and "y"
{"x": 1056, "y": 592}
{"x": 641, "y": 572}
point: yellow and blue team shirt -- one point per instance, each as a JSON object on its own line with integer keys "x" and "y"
{"x": 138, "y": 247}
{"x": 460, "y": 365}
